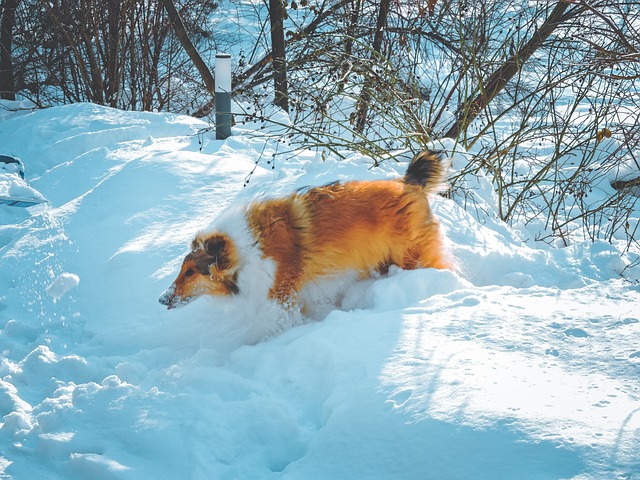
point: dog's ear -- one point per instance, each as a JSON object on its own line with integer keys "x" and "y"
{"x": 211, "y": 246}
{"x": 215, "y": 245}
{"x": 218, "y": 249}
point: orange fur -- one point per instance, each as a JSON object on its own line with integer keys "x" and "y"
{"x": 361, "y": 226}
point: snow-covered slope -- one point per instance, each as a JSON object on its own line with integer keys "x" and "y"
{"x": 523, "y": 364}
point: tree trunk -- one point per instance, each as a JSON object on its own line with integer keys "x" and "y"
{"x": 365, "y": 95}
{"x": 278, "y": 54}
{"x": 7, "y": 22}
{"x": 356, "y": 7}
{"x": 633, "y": 183}
{"x": 473, "y": 106}
{"x": 258, "y": 67}
{"x": 185, "y": 41}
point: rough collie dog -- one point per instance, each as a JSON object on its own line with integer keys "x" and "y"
{"x": 282, "y": 245}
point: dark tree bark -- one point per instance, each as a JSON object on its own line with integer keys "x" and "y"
{"x": 185, "y": 41}
{"x": 278, "y": 54}
{"x": 474, "y": 105}
{"x": 365, "y": 95}
{"x": 356, "y": 7}
{"x": 7, "y": 22}
{"x": 633, "y": 183}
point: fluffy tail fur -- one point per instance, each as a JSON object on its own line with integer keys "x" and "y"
{"x": 427, "y": 169}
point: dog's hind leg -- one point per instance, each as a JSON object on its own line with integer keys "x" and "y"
{"x": 427, "y": 252}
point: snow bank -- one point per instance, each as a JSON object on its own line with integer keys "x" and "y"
{"x": 14, "y": 186}
{"x": 521, "y": 364}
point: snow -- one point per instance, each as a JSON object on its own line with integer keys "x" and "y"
{"x": 12, "y": 185}
{"x": 522, "y": 364}
{"x": 66, "y": 281}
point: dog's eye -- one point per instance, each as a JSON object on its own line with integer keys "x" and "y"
{"x": 189, "y": 272}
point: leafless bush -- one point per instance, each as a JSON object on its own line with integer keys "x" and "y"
{"x": 117, "y": 53}
{"x": 542, "y": 94}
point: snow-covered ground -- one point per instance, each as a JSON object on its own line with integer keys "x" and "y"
{"x": 523, "y": 364}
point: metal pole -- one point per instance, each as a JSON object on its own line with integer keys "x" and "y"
{"x": 223, "y": 96}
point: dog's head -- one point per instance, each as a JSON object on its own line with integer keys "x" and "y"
{"x": 210, "y": 269}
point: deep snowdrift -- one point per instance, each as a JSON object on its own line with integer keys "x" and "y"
{"x": 523, "y": 364}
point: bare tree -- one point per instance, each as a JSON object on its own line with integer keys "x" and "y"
{"x": 7, "y": 23}
{"x": 489, "y": 89}
{"x": 187, "y": 44}
{"x": 555, "y": 74}
{"x": 365, "y": 95}
{"x": 122, "y": 54}
{"x": 276, "y": 19}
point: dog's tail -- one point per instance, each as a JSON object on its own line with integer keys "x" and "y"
{"x": 428, "y": 170}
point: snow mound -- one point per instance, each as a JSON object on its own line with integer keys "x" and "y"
{"x": 521, "y": 364}
{"x": 12, "y": 186}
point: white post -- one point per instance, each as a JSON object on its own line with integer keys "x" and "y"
{"x": 223, "y": 96}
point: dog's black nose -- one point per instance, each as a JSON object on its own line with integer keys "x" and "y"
{"x": 167, "y": 297}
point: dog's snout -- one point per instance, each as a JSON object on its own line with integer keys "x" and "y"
{"x": 167, "y": 298}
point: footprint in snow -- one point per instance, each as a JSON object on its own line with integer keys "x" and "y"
{"x": 575, "y": 332}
